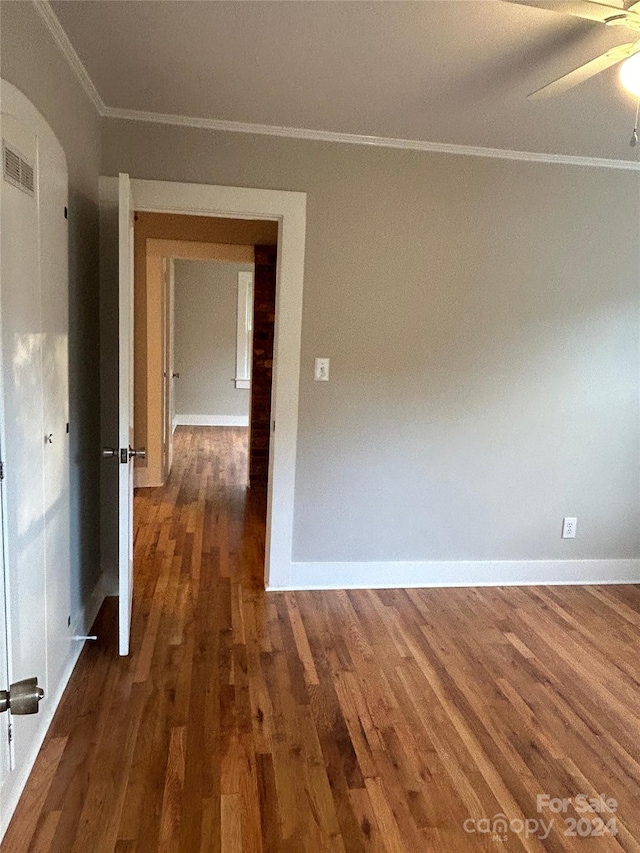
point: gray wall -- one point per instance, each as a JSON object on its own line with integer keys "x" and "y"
{"x": 481, "y": 316}
{"x": 206, "y": 297}
{"x": 31, "y": 61}
{"x": 482, "y": 319}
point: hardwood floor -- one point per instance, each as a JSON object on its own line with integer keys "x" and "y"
{"x": 330, "y": 721}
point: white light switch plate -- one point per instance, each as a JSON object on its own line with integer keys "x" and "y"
{"x": 321, "y": 370}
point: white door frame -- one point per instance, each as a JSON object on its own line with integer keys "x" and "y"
{"x": 288, "y": 209}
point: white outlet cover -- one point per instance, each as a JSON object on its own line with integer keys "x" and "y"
{"x": 569, "y": 526}
{"x": 321, "y": 370}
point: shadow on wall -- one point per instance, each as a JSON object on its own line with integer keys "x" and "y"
{"x": 84, "y": 396}
{"x": 109, "y": 358}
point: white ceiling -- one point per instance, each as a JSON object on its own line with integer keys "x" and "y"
{"x": 447, "y": 71}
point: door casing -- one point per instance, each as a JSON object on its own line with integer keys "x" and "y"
{"x": 288, "y": 209}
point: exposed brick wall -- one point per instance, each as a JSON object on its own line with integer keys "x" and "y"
{"x": 264, "y": 314}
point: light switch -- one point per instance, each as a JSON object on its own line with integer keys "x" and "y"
{"x": 321, "y": 372}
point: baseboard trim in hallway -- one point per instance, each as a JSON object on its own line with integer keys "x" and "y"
{"x": 211, "y": 420}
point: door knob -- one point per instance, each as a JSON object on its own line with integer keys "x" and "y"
{"x": 49, "y": 438}
{"x": 108, "y": 452}
{"x": 139, "y": 454}
{"x": 22, "y": 697}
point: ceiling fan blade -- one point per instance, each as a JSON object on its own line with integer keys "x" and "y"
{"x": 590, "y": 69}
{"x": 591, "y": 10}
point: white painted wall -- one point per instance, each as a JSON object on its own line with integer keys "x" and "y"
{"x": 205, "y": 344}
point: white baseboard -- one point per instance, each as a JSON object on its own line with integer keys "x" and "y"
{"x": 212, "y": 420}
{"x": 18, "y": 778}
{"x": 390, "y": 575}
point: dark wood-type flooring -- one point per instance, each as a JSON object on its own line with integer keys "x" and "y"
{"x": 330, "y": 721}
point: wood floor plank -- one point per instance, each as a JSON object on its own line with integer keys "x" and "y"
{"x": 371, "y": 721}
{"x": 22, "y": 838}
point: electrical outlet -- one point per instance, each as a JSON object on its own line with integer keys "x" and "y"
{"x": 569, "y": 528}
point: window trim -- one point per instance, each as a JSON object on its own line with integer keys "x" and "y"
{"x": 244, "y": 330}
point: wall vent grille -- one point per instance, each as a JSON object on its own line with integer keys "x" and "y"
{"x": 26, "y": 176}
{"x": 11, "y": 165}
{"x": 17, "y": 171}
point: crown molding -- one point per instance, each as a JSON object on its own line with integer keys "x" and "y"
{"x": 43, "y": 8}
{"x": 372, "y": 141}
{"x": 55, "y": 27}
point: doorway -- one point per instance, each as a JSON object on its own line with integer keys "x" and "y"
{"x": 200, "y": 270}
{"x": 288, "y": 211}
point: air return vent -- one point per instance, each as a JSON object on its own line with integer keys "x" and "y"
{"x": 11, "y": 165}
{"x": 16, "y": 170}
{"x": 26, "y": 176}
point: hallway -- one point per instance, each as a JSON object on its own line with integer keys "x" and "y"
{"x": 327, "y": 721}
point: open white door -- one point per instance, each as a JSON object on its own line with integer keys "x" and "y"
{"x": 125, "y": 411}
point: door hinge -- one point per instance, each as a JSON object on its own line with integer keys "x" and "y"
{"x": 10, "y": 732}
{"x": 1, "y": 470}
